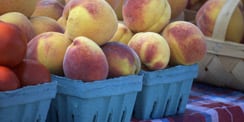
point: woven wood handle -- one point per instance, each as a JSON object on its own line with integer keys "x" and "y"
{"x": 223, "y": 19}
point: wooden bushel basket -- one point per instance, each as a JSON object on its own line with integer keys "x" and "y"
{"x": 223, "y": 64}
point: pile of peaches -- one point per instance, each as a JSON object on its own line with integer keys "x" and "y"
{"x": 93, "y": 40}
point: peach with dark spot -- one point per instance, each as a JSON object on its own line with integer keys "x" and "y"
{"x": 146, "y": 15}
{"x": 94, "y": 19}
{"x": 186, "y": 41}
{"x": 122, "y": 60}
{"x": 49, "y": 48}
{"x": 84, "y": 60}
{"x": 152, "y": 50}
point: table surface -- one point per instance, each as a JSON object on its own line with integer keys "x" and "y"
{"x": 209, "y": 104}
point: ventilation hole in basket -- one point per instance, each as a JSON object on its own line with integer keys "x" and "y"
{"x": 153, "y": 109}
{"x": 166, "y": 107}
{"x": 123, "y": 116}
{"x": 179, "y": 105}
{"x": 57, "y": 116}
{"x": 206, "y": 69}
{"x": 72, "y": 117}
{"x": 109, "y": 117}
{"x": 94, "y": 118}
{"x": 38, "y": 119}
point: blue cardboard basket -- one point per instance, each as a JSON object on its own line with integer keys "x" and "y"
{"x": 164, "y": 92}
{"x": 110, "y": 100}
{"x": 27, "y": 104}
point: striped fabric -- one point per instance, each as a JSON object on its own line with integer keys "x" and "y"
{"x": 209, "y": 104}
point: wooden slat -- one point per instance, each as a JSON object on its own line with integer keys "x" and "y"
{"x": 238, "y": 71}
{"x": 225, "y": 48}
{"x": 224, "y": 16}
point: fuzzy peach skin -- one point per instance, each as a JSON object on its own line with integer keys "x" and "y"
{"x": 152, "y": 50}
{"x": 123, "y": 34}
{"x": 186, "y": 41}
{"x": 13, "y": 45}
{"x": 146, "y": 15}
{"x": 84, "y": 60}
{"x": 43, "y": 24}
{"x": 122, "y": 60}
{"x": 177, "y": 7}
{"x": 49, "y": 48}
{"x": 94, "y": 19}
{"x": 26, "y": 7}
{"x": 49, "y": 8}
{"x": 21, "y": 21}
{"x": 207, "y": 15}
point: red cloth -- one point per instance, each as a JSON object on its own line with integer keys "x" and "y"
{"x": 209, "y": 104}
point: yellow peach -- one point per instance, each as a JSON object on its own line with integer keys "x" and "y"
{"x": 49, "y": 48}
{"x": 94, "y": 19}
{"x": 122, "y": 60}
{"x": 123, "y": 34}
{"x": 146, "y": 15}
{"x": 152, "y": 49}
{"x": 186, "y": 41}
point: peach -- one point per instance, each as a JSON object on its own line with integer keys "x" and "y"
{"x": 49, "y": 8}
{"x": 146, "y": 15}
{"x": 122, "y": 60}
{"x": 186, "y": 41}
{"x": 207, "y": 15}
{"x": 32, "y": 72}
{"x": 26, "y": 7}
{"x": 43, "y": 24}
{"x": 123, "y": 34}
{"x": 8, "y": 79}
{"x": 49, "y": 48}
{"x": 21, "y": 21}
{"x": 177, "y": 7}
{"x": 12, "y": 45}
{"x": 94, "y": 19}
{"x": 85, "y": 60}
{"x": 152, "y": 49}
